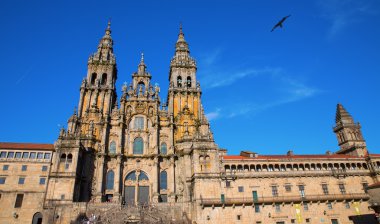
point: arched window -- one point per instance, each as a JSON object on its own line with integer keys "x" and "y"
{"x": 163, "y": 180}
{"x": 69, "y": 158}
{"x": 179, "y": 81}
{"x": 131, "y": 176}
{"x": 188, "y": 81}
{"x": 63, "y": 157}
{"x": 138, "y": 146}
{"x": 93, "y": 78}
{"x": 163, "y": 149}
{"x": 233, "y": 167}
{"x": 104, "y": 79}
{"x": 139, "y": 123}
{"x": 112, "y": 148}
{"x": 37, "y": 218}
{"x": 110, "y": 180}
{"x": 143, "y": 176}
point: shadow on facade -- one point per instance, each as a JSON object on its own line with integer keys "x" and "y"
{"x": 364, "y": 219}
{"x": 85, "y": 175}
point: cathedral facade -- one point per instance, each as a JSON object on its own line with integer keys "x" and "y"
{"x": 139, "y": 152}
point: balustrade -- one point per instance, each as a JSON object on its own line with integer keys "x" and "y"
{"x": 282, "y": 199}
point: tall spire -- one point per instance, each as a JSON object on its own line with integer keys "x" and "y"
{"x": 348, "y": 133}
{"x": 181, "y": 45}
{"x": 142, "y": 59}
{"x": 106, "y": 41}
{"x": 108, "y": 30}
{"x": 342, "y": 116}
{"x": 181, "y": 36}
{"x": 180, "y": 60}
{"x": 105, "y": 48}
{"x": 142, "y": 66}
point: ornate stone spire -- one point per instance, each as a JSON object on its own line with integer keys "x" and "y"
{"x": 181, "y": 45}
{"x": 142, "y": 58}
{"x": 181, "y": 36}
{"x": 348, "y": 133}
{"x": 101, "y": 75}
{"x": 106, "y": 41}
{"x": 182, "y": 56}
{"x": 105, "y": 47}
{"x": 142, "y": 66}
{"x": 108, "y": 30}
{"x": 342, "y": 116}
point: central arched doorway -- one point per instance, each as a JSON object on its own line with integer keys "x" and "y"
{"x": 37, "y": 218}
{"x": 136, "y": 188}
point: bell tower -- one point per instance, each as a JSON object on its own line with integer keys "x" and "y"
{"x": 78, "y": 164}
{"x": 349, "y": 135}
{"x": 184, "y": 91}
{"x": 97, "y": 92}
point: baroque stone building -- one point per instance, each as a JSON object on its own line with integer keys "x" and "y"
{"x": 142, "y": 151}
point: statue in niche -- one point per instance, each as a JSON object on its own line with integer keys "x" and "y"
{"x": 91, "y": 128}
{"x": 180, "y": 186}
{"x": 129, "y": 110}
{"x": 150, "y": 111}
{"x": 186, "y": 127}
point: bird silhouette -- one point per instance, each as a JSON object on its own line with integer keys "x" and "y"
{"x": 279, "y": 24}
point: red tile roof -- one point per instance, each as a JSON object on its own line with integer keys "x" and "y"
{"x": 375, "y": 185}
{"x": 30, "y": 146}
{"x": 311, "y": 156}
{"x": 333, "y": 156}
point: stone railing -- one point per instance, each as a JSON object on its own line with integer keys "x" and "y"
{"x": 281, "y": 199}
{"x": 62, "y": 174}
{"x": 35, "y": 160}
{"x": 57, "y": 202}
{"x": 292, "y": 173}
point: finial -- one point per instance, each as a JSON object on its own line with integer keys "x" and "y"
{"x": 124, "y": 88}
{"x": 108, "y": 30}
{"x": 181, "y": 36}
{"x": 142, "y": 57}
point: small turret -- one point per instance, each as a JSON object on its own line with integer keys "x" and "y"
{"x": 141, "y": 80}
{"x": 349, "y": 135}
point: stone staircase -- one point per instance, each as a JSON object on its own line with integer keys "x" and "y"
{"x": 110, "y": 213}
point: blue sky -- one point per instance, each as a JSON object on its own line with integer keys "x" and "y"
{"x": 263, "y": 91}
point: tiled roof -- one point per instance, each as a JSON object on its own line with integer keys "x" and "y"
{"x": 374, "y": 155}
{"x": 375, "y": 185}
{"x": 333, "y": 156}
{"x": 30, "y": 146}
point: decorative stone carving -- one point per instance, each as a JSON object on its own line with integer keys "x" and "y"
{"x": 140, "y": 108}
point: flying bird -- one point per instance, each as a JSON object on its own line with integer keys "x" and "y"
{"x": 279, "y": 24}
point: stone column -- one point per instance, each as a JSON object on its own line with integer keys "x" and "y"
{"x": 80, "y": 104}
{"x": 117, "y": 179}
{"x": 95, "y": 98}
{"x": 171, "y": 180}
{"x": 88, "y": 100}
{"x": 107, "y": 103}
{"x": 99, "y": 193}
{"x": 155, "y": 178}
{"x": 101, "y": 100}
